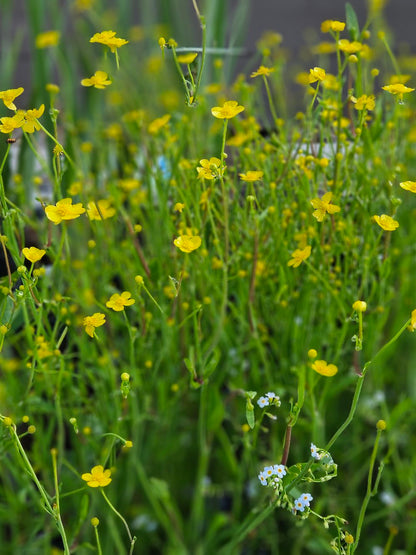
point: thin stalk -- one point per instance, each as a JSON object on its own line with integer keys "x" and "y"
{"x": 131, "y": 538}
{"x": 47, "y": 504}
{"x": 370, "y": 491}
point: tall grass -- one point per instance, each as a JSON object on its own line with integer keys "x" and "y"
{"x": 203, "y": 396}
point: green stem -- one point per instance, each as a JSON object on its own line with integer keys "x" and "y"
{"x": 53, "y": 511}
{"x": 131, "y": 538}
{"x": 359, "y": 386}
{"x": 369, "y": 492}
{"x": 270, "y": 99}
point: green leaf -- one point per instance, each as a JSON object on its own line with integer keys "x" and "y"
{"x": 211, "y": 365}
{"x": 250, "y": 414}
{"x": 160, "y": 488}
{"x": 352, "y": 22}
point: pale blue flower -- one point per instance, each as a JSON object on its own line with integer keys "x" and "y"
{"x": 279, "y": 470}
{"x": 314, "y": 452}
{"x": 306, "y": 499}
{"x": 262, "y": 479}
{"x": 263, "y": 402}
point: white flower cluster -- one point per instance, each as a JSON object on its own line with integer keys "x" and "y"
{"x": 314, "y": 452}
{"x": 271, "y": 475}
{"x": 302, "y": 501}
{"x": 269, "y": 398}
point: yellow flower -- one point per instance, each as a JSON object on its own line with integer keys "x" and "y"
{"x": 364, "y": 102}
{"x": 251, "y": 175}
{"x": 316, "y": 74}
{"x": 262, "y": 70}
{"x": 118, "y": 302}
{"x": 299, "y": 255}
{"x": 187, "y": 58}
{"x": 413, "y": 320}
{"x": 349, "y": 47}
{"x": 209, "y": 169}
{"x": 323, "y": 206}
{"x": 187, "y": 243}
{"x": 332, "y": 25}
{"x": 179, "y": 206}
{"x": 8, "y": 125}
{"x": 386, "y": 222}
{"x": 47, "y": 39}
{"x": 98, "y": 477}
{"x": 52, "y": 88}
{"x": 108, "y": 38}
{"x": 325, "y": 369}
{"x": 92, "y": 322}
{"x": 31, "y": 124}
{"x": 64, "y": 210}
{"x": 409, "y": 186}
{"x": 101, "y": 210}
{"x": 33, "y": 254}
{"x": 359, "y": 306}
{"x": 83, "y": 5}
{"x": 9, "y": 96}
{"x": 157, "y": 124}
{"x": 398, "y": 88}
{"x": 99, "y": 80}
{"x": 228, "y": 110}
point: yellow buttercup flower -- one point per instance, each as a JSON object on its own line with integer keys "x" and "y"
{"x": 323, "y": 206}
{"x": 158, "y": 123}
{"x": 92, "y": 322}
{"x": 98, "y": 477}
{"x": 64, "y": 210}
{"x": 316, "y": 74}
{"x": 228, "y": 110}
{"x": 47, "y": 39}
{"x": 33, "y": 254}
{"x": 408, "y": 186}
{"x": 187, "y": 243}
{"x": 7, "y": 125}
{"x": 99, "y": 80}
{"x": 332, "y": 25}
{"x": 209, "y": 169}
{"x": 251, "y": 175}
{"x": 398, "y": 88}
{"x": 108, "y": 38}
{"x": 299, "y": 256}
{"x": 350, "y": 47}
{"x": 413, "y": 319}
{"x": 179, "y": 206}
{"x": 263, "y": 71}
{"x": 187, "y": 58}
{"x": 9, "y": 96}
{"x": 325, "y": 369}
{"x": 359, "y": 306}
{"x": 101, "y": 210}
{"x": 364, "y": 102}
{"x": 117, "y": 302}
{"x": 31, "y": 116}
{"x": 386, "y": 222}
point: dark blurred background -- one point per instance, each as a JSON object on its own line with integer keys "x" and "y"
{"x": 242, "y": 21}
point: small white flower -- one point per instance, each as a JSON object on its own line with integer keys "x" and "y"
{"x": 306, "y": 499}
{"x": 279, "y": 470}
{"x": 299, "y": 506}
{"x": 273, "y": 398}
{"x": 314, "y": 452}
{"x": 263, "y": 402}
{"x": 262, "y": 479}
{"x": 268, "y": 471}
